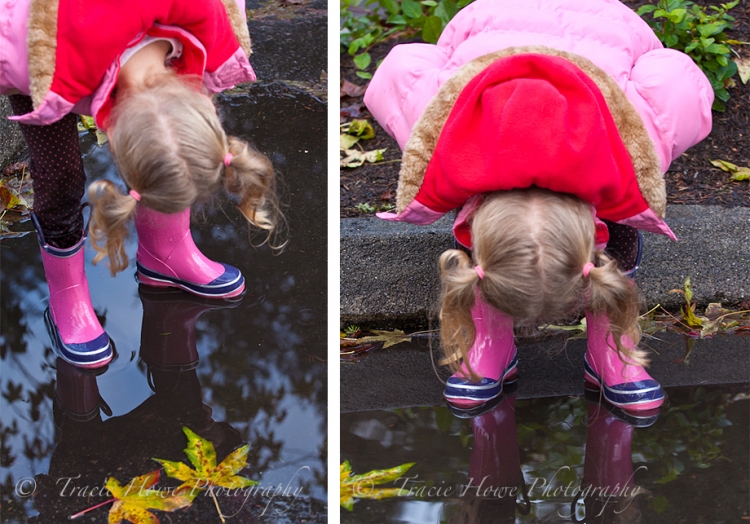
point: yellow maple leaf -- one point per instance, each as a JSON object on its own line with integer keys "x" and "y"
{"x": 363, "y": 486}
{"x": 207, "y": 474}
{"x": 133, "y": 501}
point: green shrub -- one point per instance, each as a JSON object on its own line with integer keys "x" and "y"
{"x": 365, "y": 23}
{"x": 687, "y": 27}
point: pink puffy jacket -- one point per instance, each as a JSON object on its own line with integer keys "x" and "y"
{"x": 671, "y": 95}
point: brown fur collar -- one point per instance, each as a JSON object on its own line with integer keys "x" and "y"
{"x": 41, "y": 41}
{"x": 424, "y": 136}
{"x": 238, "y": 25}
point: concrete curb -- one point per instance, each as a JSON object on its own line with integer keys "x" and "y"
{"x": 389, "y": 270}
{"x": 12, "y": 144}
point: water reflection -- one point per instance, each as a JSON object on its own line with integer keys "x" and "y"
{"x": 559, "y": 459}
{"x": 255, "y": 370}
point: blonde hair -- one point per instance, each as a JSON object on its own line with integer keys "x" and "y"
{"x": 532, "y": 245}
{"x": 169, "y": 146}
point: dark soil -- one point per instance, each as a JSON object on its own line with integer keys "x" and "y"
{"x": 691, "y": 179}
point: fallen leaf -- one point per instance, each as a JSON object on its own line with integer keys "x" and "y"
{"x": 10, "y": 197}
{"x": 714, "y": 311}
{"x": 738, "y": 173}
{"x": 16, "y": 168}
{"x": 356, "y": 158}
{"x": 101, "y": 137}
{"x": 352, "y": 111}
{"x": 363, "y": 486}
{"x": 347, "y": 141}
{"x": 133, "y": 501}
{"x": 361, "y": 128}
{"x": 202, "y": 456}
{"x": 352, "y": 90}
{"x": 388, "y": 338}
{"x": 743, "y": 68}
{"x": 87, "y": 122}
{"x": 207, "y": 474}
{"x": 387, "y": 195}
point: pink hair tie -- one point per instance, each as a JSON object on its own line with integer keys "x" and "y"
{"x": 587, "y": 267}
{"x": 480, "y": 272}
{"x": 135, "y": 194}
{"x": 228, "y": 159}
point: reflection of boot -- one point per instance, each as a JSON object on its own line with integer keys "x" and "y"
{"x": 494, "y": 467}
{"x": 492, "y": 356}
{"x": 627, "y": 386}
{"x": 168, "y": 257}
{"x": 76, "y": 333}
{"x": 77, "y": 393}
{"x": 168, "y": 333}
{"x": 608, "y": 489}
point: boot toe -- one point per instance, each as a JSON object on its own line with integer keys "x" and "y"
{"x": 229, "y": 284}
{"x": 636, "y": 395}
{"x": 92, "y": 354}
{"x": 461, "y": 392}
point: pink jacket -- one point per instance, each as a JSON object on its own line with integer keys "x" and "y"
{"x": 671, "y": 95}
{"x": 59, "y": 52}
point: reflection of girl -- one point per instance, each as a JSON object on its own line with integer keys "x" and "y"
{"x": 93, "y": 447}
{"x": 117, "y": 62}
{"x": 550, "y": 124}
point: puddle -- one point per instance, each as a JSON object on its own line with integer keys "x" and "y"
{"x": 261, "y": 373}
{"x": 568, "y": 455}
{"x": 378, "y": 377}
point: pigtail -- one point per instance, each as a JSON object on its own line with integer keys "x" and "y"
{"x": 457, "y": 329}
{"x": 614, "y": 294}
{"x": 249, "y": 174}
{"x": 111, "y": 212}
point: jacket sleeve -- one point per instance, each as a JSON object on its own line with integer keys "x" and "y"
{"x": 405, "y": 82}
{"x": 674, "y": 99}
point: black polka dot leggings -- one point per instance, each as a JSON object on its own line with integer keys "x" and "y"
{"x": 623, "y": 244}
{"x": 57, "y": 172}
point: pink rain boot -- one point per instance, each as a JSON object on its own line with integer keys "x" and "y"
{"x": 627, "y": 386}
{"x": 608, "y": 486}
{"x": 492, "y": 357}
{"x": 76, "y": 333}
{"x": 494, "y": 468}
{"x": 168, "y": 257}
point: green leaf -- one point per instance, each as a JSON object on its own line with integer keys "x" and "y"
{"x": 432, "y": 29}
{"x": 411, "y": 9}
{"x": 677, "y": 15}
{"x": 417, "y": 23}
{"x": 718, "y": 49}
{"x": 361, "y": 128}
{"x": 645, "y": 9}
{"x": 446, "y": 11}
{"x": 660, "y": 504}
{"x": 365, "y": 75}
{"x": 347, "y": 141}
{"x": 362, "y": 61}
{"x": 391, "y": 6}
{"x": 396, "y": 20}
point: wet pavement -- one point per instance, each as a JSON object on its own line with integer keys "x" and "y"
{"x": 559, "y": 459}
{"x": 248, "y": 372}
